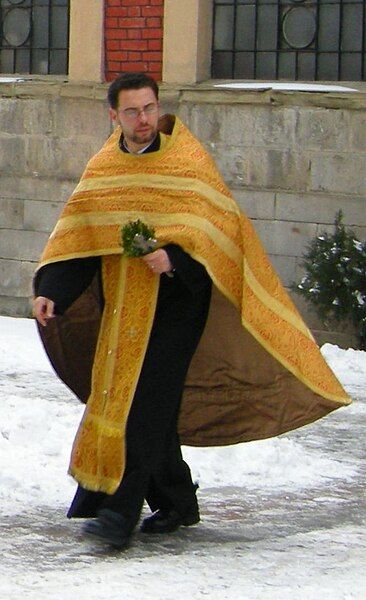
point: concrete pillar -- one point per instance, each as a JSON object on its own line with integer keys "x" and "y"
{"x": 187, "y": 40}
{"x": 86, "y": 47}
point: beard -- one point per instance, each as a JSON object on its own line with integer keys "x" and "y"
{"x": 144, "y": 136}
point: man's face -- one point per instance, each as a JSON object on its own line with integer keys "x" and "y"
{"x": 138, "y": 115}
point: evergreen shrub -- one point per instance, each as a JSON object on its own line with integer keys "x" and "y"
{"x": 335, "y": 279}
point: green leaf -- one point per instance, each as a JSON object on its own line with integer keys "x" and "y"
{"x": 137, "y": 239}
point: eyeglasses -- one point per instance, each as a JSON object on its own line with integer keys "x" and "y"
{"x": 133, "y": 113}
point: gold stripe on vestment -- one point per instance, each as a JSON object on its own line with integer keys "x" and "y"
{"x": 163, "y": 182}
{"x": 273, "y": 304}
{"x": 189, "y": 220}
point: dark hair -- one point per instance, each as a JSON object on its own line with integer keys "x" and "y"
{"x": 130, "y": 81}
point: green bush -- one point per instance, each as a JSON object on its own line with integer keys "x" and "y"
{"x": 335, "y": 280}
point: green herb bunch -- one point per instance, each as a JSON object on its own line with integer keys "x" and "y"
{"x": 138, "y": 239}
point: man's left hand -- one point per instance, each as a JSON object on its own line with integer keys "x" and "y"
{"x": 158, "y": 261}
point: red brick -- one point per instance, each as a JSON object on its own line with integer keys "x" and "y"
{"x": 137, "y": 45}
{"x": 153, "y": 56}
{"x": 157, "y": 2}
{"x": 134, "y": 34}
{"x": 154, "y": 44}
{"x": 152, "y": 11}
{"x": 112, "y": 45}
{"x": 135, "y": 2}
{"x": 134, "y": 56}
{"x": 134, "y": 11}
{"x": 134, "y": 66}
{"x": 152, "y": 33}
{"x": 113, "y": 3}
{"x": 155, "y": 67}
{"x": 115, "y": 34}
{"x": 153, "y": 22}
{"x": 132, "y": 22}
{"x": 114, "y": 66}
{"x": 118, "y": 55}
{"x": 111, "y": 23}
{"x": 117, "y": 12}
{"x": 113, "y": 73}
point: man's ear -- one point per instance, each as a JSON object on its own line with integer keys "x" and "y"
{"x": 113, "y": 114}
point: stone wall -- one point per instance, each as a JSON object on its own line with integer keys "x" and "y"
{"x": 46, "y": 138}
{"x": 292, "y": 161}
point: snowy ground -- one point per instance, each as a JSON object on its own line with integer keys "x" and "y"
{"x": 281, "y": 518}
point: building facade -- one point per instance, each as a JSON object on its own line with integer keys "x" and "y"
{"x": 185, "y": 42}
{"x": 291, "y": 159}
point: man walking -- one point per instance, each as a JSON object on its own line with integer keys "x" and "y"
{"x": 153, "y": 314}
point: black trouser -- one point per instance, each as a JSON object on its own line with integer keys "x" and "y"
{"x": 155, "y": 469}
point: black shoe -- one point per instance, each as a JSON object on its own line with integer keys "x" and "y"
{"x": 167, "y": 522}
{"x": 110, "y": 528}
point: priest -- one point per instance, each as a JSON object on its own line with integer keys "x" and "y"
{"x": 194, "y": 342}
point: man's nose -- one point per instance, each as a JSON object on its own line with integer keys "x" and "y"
{"x": 142, "y": 116}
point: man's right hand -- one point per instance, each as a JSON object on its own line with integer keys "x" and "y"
{"x": 43, "y": 309}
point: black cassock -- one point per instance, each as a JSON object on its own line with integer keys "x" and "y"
{"x": 155, "y": 469}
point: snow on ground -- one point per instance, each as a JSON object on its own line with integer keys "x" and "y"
{"x": 39, "y": 417}
{"x": 38, "y": 434}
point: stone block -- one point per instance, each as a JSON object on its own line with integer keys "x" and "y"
{"x": 274, "y": 127}
{"x": 338, "y": 173}
{"x": 358, "y": 131}
{"x": 236, "y": 124}
{"x": 15, "y": 307}
{"x": 22, "y": 245}
{"x": 42, "y": 155}
{"x": 81, "y": 117}
{"x": 232, "y": 163}
{"x": 36, "y": 188}
{"x": 285, "y": 267}
{"x": 12, "y": 155}
{"x": 16, "y": 278}
{"x": 218, "y": 124}
{"x": 285, "y": 238}
{"x": 203, "y": 123}
{"x": 74, "y": 157}
{"x": 11, "y": 213}
{"x": 319, "y": 208}
{"x": 39, "y": 216}
{"x": 284, "y": 169}
{"x": 170, "y": 106}
{"x": 48, "y": 156}
{"x": 322, "y": 129}
{"x": 255, "y": 203}
{"x": 11, "y": 116}
{"x": 38, "y": 116}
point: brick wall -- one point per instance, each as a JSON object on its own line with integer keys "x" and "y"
{"x": 133, "y": 37}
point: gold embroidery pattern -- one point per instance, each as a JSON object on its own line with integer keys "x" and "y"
{"x": 98, "y": 455}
